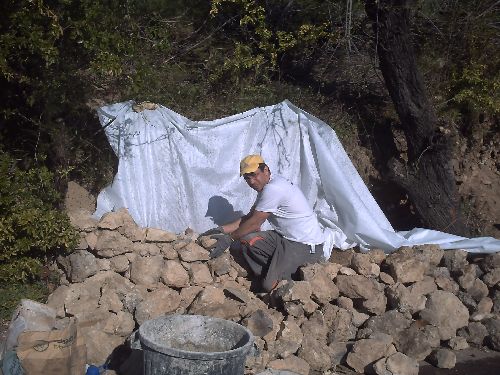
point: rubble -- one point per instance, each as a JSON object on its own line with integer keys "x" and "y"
{"x": 371, "y": 311}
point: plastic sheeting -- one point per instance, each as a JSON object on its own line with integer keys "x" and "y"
{"x": 175, "y": 173}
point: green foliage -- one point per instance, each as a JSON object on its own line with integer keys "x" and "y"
{"x": 12, "y": 292}
{"x": 30, "y": 227}
{"x": 272, "y": 32}
{"x": 460, "y": 53}
{"x": 475, "y": 88}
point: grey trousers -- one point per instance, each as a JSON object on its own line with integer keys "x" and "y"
{"x": 272, "y": 258}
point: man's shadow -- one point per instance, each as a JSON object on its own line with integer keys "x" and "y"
{"x": 221, "y": 211}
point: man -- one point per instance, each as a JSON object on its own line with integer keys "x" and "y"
{"x": 297, "y": 237}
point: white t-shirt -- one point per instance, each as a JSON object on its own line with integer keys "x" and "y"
{"x": 291, "y": 216}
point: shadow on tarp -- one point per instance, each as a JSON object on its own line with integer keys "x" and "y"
{"x": 221, "y": 211}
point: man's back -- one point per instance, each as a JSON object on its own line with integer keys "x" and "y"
{"x": 291, "y": 215}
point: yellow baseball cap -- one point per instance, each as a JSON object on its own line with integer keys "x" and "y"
{"x": 250, "y": 164}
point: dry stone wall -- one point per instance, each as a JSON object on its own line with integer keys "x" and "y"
{"x": 372, "y": 312}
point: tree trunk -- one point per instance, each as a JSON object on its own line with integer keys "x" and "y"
{"x": 428, "y": 176}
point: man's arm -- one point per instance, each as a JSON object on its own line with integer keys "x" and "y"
{"x": 249, "y": 223}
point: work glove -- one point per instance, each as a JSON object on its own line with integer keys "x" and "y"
{"x": 223, "y": 242}
{"x": 212, "y": 231}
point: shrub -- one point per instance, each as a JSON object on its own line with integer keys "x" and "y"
{"x": 31, "y": 228}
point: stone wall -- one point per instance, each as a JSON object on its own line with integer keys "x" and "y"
{"x": 370, "y": 311}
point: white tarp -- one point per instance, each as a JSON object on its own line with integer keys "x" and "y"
{"x": 175, "y": 173}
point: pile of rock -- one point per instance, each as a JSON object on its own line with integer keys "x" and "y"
{"x": 370, "y": 311}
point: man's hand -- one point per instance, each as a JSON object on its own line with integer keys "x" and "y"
{"x": 223, "y": 242}
{"x": 218, "y": 230}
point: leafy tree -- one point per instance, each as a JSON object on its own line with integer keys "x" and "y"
{"x": 31, "y": 228}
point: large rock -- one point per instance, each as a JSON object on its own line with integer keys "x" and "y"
{"x": 289, "y": 338}
{"x": 455, "y": 261}
{"x": 212, "y": 301}
{"x": 82, "y": 220}
{"x": 159, "y": 235}
{"x": 445, "y": 311}
{"x": 405, "y": 299}
{"x": 396, "y": 364}
{"x": 366, "y": 352}
{"x": 478, "y": 290}
{"x": 260, "y": 323}
{"x": 376, "y": 304}
{"x": 474, "y": 333}
{"x": 100, "y": 345}
{"x": 193, "y": 252}
{"x": 116, "y": 219}
{"x": 57, "y": 299}
{"x": 292, "y": 363}
{"x": 290, "y": 291}
{"x": 358, "y": 286}
{"x": 323, "y": 289}
{"x": 315, "y": 327}
{"x": 146, "y": 271}
{"x": 404, "y": 267}
{"x": 82, "y": 265}
{"x": 493, "y": 338}
{"x": 443, "y": 358}
{"x": 315, "y": 352}
{"x": 119, "y": 263}
{"x": 418, "y": 340}
{"x": 340, "y": 323}
{"x": 391, "y": 323}
{"x": 491, "y": 262}
{"x": 174, "y": 275}
{"x": 199, "y": 274}
{"x": 157, "y": 303}
{"x": 492, "y": 278}
{"x": 112, "y": 243}
{"x": 363, "y": 264}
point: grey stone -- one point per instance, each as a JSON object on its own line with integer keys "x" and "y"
{"x": 391, "y": 323}
{"x": 491, "y": 262}
{"x": 455, "y": 260}
{"x": 418, "y": 340}
{"x": 492, "y": 278}
{"x": 386, "y": 278}
{"x": 478, "y": 290}
{"x": 366, "y": 352}
{"x": 193, "y": 252}
{"x": 445, "y": 311}
{"x": 159, "y": 235}
{"x": 174, "y": 275}
{"x": 146, "y": 271}
{"x": 315, "y": 352}
{"x": 339, "y": 322}
{"x": 358, "y": 286}
{"x": 404, "y": 267}
{"x": 447, "y": 284}
{"x": 82, "y": 264}
{"x": 457, "y": 343}
{"x": 474, "y": 333}
{"x": 119, "y": 263}
{"x": 493, "y": 327}
{"x": 199, "y": 274}
{"x": 404, "y": 299}
{"x": 157, "y": 303}
{"x": 292, "y": 364}
{"x": 323, "y": 289}
{"x": 363, "y": 264}
{"x": 396, "y": 364}
{"x": 443, "y": 358}
{"x": 112, "y": 243}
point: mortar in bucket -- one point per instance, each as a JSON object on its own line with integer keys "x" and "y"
{"x": 194, "y": 345}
